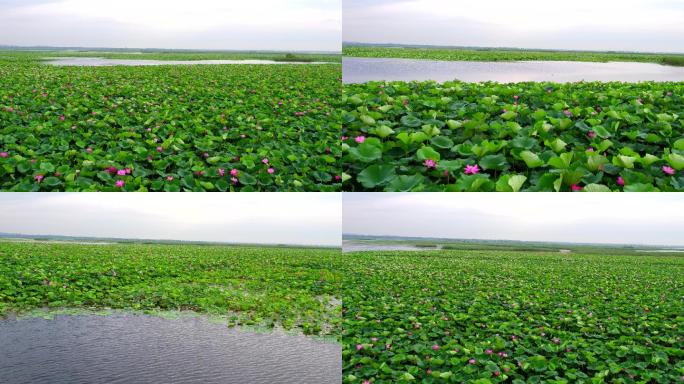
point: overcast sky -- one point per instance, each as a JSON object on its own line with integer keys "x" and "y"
{"x": 283, "y": 218}
{"x": 305, "y": 25}
{"x": 655, "y": 219}
{"x": 630, "y": 25}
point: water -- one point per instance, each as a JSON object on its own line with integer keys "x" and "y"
{"x": 100, "y": 62}
{"x": 124, "y": 348}
{"x": 350, "y": 246}
{"x": 360, "y": 70}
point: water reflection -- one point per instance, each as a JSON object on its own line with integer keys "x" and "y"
{"x": 359, "y": 70}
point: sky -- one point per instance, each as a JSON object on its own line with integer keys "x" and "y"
{"x": 645, "y": 219}
{"x": 627, "y": 25}
{"x": 269, "y": 218}
{"x": 301, "y": 25}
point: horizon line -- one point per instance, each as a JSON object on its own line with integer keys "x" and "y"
{"x": 7, "y": 235}
{"x": 508, "y": 48}
{"x": 513, "y": 240}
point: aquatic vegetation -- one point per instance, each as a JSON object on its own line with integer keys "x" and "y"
{"x": 295, "y": 288}
{"x": 516, "y": 317}
{"x": 169, "y": 128}
{"x": 425, "y": 136}
{"x": 493, "y": 54}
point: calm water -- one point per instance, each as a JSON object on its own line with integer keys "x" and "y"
{"x": 350, "y": 246}
{"x": 100, "y": 62}
{"x": 124, "y": 348}
{"x": 360, "y": 70}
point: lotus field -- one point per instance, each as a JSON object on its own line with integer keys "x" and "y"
{"x": 293, "y": 288}
{"x": 169, "y": 128}
{"x": 512, "y": 317}
{"x": 494, "y": 54}
{"x": 455, "y": 136}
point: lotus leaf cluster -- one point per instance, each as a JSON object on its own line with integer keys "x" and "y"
{"x": 512, "y": 317}
{"x": 169, "y": 128}
{"x": 293, "y": 288}
{"x": 456, "y": 136}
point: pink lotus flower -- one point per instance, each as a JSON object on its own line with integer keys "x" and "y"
{"x": 591, "y": 134}
{"x": 472, "y": 169}
{"x": 567, "y": 113}
{"x": 271, "y": 171}
{"x": 506, "y": 369}
{"x": 556, "y": 340}
{"x": 89, "y": 150}
{"x": 264, "y": 160}
{"x": 590, "y": 149}
{"x": 234, "y": 172}
{"x": 435, "y": 347}
{"x": 497, "y": 373}
{"x": 366, "y": 382}
{"x": 4, "y": 155}
{"x": 234, "y": 180}
{"x": 472, "y": 361}
{"x": 668, "y": 170}
{"x": 62, "y": 118}
{"x": 205, "y": 155}
{"x": 360, "y": 139}
{"x": 359, "y": 347}
{"x": 337, "y": 178}
{"x": 621, "y": 181}
{"x": 38, "y": 178}
{"x": 160, "y": 149}
{"x": 343, "y": 138}
{"x": 121, "y": 172}
{"x": 221, "y": 172}
{"x": 428, "y": 371}
{"x": 516, "y": 97}
{"x": 111, "y": 170}
{"x": 119, "y": 183}
{"x": 575, "y": 187}
{"x": 489, "y": 351}
{"x": 429, "y": 163}
{"x": 169, "y": 178}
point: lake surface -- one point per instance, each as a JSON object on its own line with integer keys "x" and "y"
{"x": 360, "y": 70}
{"x": 100, "y": 62}
{"x": 126, "y": 348}
{"x": 350, "y": 246}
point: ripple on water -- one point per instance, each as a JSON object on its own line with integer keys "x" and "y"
{"x": 123, "y": 348}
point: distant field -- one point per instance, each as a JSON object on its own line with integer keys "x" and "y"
{"x": 31, "y": 56}
{"x": 295, "y": 288}
{"x": 515, "y": 317}
{"x": 507, "y": 55}
{"x": 168, "y": 128}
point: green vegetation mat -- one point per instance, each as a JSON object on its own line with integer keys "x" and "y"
{"x": 293, "y": 288}
{"x": 169, "y": 128}
{"x": 455, "y": 54}
{"x": 513, "y": 317}
{"x": 425, "y": 136}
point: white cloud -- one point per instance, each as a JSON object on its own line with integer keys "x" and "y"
{"x": 211, "y": 24}
{"x": 292, "y": 218}
{"x": 581, "y": 24}
{"x": 578, "y": 217}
